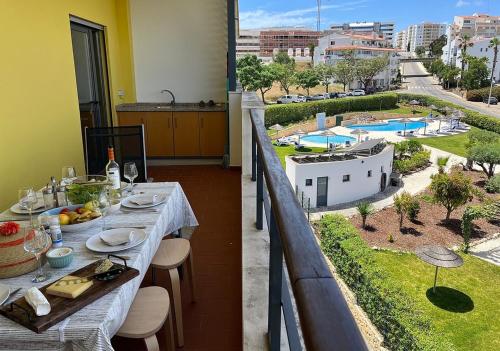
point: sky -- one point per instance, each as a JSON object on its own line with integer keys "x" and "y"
{"x": 279, "y": 13}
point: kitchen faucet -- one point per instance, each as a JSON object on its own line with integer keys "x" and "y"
{"x": 171, "y": 94}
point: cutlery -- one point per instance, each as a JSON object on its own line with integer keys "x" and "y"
{"x": 139, "y": 210}
{"x": 10, "y": 295}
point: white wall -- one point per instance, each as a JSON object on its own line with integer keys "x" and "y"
{"x": 181, "y": 46}
{"x": 360, "y": 185}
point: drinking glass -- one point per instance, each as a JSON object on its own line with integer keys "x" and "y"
{"x": 68, "y": 174}
{"x": 130, "y": 172}
{"x": 36, "y": 240}
{"x": 27, "y": 200}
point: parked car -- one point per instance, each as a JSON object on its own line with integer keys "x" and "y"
{"x": 348, "y": 93}
{"x": 493, "y": 100}
{"x": 317, "y": 97}
{"x": 334, "y": 95}
{"x": 301, "y": 98}
{"x": 308, "y": 98}
{"x": 358, "y": 92}
{"x": 288, "y": 99}
{"x": 341, "y": 95}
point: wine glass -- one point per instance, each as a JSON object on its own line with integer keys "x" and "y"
{"x": 36, "y": 240}
{"x": 27, "y": 200}
{"x": 103, "y": 205}
{"x": 130, "y": 172}
{"x": 68, "y": 174}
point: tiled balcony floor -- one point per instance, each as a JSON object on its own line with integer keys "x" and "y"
{"x": 214, "y": 322}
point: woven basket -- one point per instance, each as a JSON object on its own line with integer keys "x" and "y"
{"x": 14, "y": 261}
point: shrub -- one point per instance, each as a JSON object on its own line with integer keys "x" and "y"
{"x": 451, "y": 190}
{"x": 493, "y": 185}
{"x": 442, "y": 162}
{"x": 480, "y": 94}
{"x": 471, "y": 117}
{"x": 415, "y": 162}
{"x": 289, "y": 113}
{"x": 390, "y": 238}
{"x": 391, "y": 310}
{"x": 408, "y": 205}
{"x": 487, "y": 156}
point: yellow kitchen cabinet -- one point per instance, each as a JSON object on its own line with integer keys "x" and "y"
{"x": 213, "y": 133}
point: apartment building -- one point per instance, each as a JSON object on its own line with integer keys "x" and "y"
{"x": 421, "y": 35}
{"x": 400, "y": 40}
{"x": 333, "y": 46}
{"x": 248, "y": 42}
{"x": 294, "y": 41}
{"x": 383, "y": 28}
{"x": 475, "y": 26}
{"x": 480, "y": 48}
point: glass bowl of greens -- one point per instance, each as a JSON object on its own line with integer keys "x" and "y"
{"x": 86, "y": 188}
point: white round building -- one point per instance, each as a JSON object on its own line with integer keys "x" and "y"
{"x": 349, "y": 175}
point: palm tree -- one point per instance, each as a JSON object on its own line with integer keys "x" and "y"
{"x": 365, "y": 209}
{"x": 465, "y": 42}
{"x": 493, "y": 44}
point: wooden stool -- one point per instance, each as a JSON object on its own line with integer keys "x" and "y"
{"x": 150, "y": 309}
{"x": 171, "y": 254}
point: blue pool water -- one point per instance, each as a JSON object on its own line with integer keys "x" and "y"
{"x": 321, "y": 139}
{"x": 392, "y": 125}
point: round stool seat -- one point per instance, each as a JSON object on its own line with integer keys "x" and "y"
{"x": 171, "y": 253}
{"x": 147, "y": 314}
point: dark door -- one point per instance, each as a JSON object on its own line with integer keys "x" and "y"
{"x": 383, "y": 181}
{"x": 91, "y": 72}
{"x": 322, "y": 192}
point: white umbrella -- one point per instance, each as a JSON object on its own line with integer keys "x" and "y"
{"x": 328, "y": 133}
{"x": 359, "y": 132}
{"x": 277, "y": 127}
{"x": 414, "y": 102}
{"x": 427, "y": 119}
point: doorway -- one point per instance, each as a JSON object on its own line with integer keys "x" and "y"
{"x": 383, "y": 181}
{"x": 89, "y": 54}
{"x": 322, "y": 192}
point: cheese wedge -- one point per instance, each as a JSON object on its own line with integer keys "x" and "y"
{"x": 69, "y": 287}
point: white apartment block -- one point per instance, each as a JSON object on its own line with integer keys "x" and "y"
{"x": 421, "y": 35}
{"x": 383, "y": 28}
{"x": 475, "y": 26}
{"x": 333, "y": 46}
{"x": 480, "y": 48}
{"x": 400, "y": 40}
{"x": 248, "y": 42}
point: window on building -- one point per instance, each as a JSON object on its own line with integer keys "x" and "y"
{"x": 346, "y": 178}
{"x": 309, "y": 182}
{"x": 369, "y": 173}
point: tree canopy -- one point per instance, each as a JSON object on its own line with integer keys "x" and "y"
{"x": 254, "y": 75}
{"x": 436, "y": 47}
{"x": 307, "y": 79}
{"x": 476, "y": 75}
{"x": 451, "y": 190}
{"x": 366, "y": 69}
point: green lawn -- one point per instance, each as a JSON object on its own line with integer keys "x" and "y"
{"x": 466, "y": 306}
{"x": 283, "y": 151}
{"x": 453, "y": 143}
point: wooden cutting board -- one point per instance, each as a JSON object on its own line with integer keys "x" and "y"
{"x": 20, "y": 312}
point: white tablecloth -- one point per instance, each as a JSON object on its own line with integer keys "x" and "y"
{"x": 93, "y": 327}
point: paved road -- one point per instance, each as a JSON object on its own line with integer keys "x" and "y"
{"x": 429, "y": 86}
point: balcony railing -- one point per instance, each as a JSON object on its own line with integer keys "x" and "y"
{"x": 325, "y": 319}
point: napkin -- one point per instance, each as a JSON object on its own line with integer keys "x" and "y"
{"x": 117, "y": 238}
{"x": 37, "y": 301}
{"x": 145, "y": 199}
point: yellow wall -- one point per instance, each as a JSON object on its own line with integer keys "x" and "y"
{"x": 39, "y": 116}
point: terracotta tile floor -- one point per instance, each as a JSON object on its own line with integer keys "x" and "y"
{"x": 214, "y": 322}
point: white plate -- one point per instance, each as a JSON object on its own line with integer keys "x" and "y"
{"x": 16, "y": 208}
{"x": 94, "y": 243}
{"x": 129, "y": 204}
{"x": 4, "y": 293}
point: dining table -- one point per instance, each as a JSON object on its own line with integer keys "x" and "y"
{"x": 92, "y": 327}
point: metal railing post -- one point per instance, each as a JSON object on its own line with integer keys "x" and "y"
{"x": 254, "y": 156}
{"x": 260, "y": 193}
{"x": 275, "y": 286}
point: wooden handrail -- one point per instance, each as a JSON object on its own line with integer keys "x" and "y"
{"x": 326, "y": 321}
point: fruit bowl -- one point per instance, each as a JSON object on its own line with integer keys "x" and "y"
{"x": 70, "y": 228}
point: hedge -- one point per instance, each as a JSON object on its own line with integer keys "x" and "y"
{"x": 472, "y": 118}
{"x": 289, "y": 113}
{"x": 396, "y": 316}
{"x": 480, "y": 94}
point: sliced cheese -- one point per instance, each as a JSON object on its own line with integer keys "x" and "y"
{"x": 69, "y": 287}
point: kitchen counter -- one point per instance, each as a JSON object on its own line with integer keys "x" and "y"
{"x": 165, "y": 107}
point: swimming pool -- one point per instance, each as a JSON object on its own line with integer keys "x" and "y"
{"x": 391, "y": 126}
{"x": 321, "y": 139}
